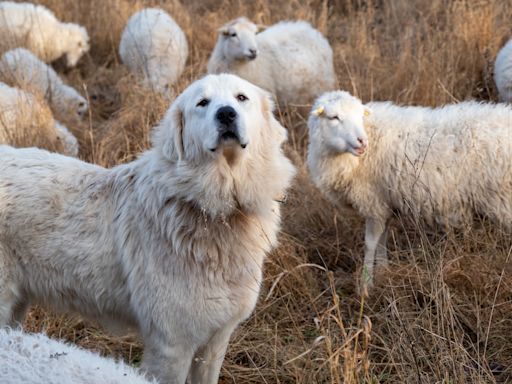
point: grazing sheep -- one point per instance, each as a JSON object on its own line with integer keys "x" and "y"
{"x": 36, "y": 28}
{"x": 154, "y": 46}
{"x": 172, "y": 243}
{"x": 20, "y": 68}
{"x": 290, "y": 59}
{"x": 442, "y": 165}
{"x": 26, "y": 121}
{"x": 35, "y": 359}
{"x": 503, "y": 72}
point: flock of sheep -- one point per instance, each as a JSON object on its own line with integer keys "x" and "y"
{"x": 444, "y": 165}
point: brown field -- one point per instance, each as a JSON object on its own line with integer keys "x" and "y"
{"x": 442, "y": 312}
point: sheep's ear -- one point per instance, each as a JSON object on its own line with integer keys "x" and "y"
{"x": 170, "y": 134}
{"x": 224, "y": 31}
{"x": 319, "y": 111}
{"x": 367, "y": 111}
{"x": 267, "y": 108}
{"x": 261, "y": 28}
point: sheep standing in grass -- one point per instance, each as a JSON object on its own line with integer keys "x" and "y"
{"x": 154, "y": 47}
{"x": 35, "y": 359}
{"x": 36, "y": 28}
{"x": 20, "y": 68}
{"x": 442, "y": 165}
{"x": 503, "y": 72}
{"x": 26, "y": 121}
{"x": 290, "y": 59}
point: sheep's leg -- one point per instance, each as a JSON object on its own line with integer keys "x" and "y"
{"x": 381, "y": 254}
{"x": 168, "y": 362}
{"x": 375, "y": 230}
{"x": 208, "y": 360}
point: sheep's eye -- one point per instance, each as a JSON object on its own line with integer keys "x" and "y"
{"x": 203, "y": 103}
{"x": 79, "y": 43}
{"x": 81, "y": 104}
{"x": 333, "y": 118}
{"x": 232, "y": 34}
{"x": 241, "y": 97}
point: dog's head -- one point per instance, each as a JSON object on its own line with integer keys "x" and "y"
{"x": 221, "y": 138}
{"x": 219, "y": 115}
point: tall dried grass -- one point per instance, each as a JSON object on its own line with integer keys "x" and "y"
{"x": 441, "y": 313}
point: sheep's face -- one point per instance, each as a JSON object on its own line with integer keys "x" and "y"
{"x": 77, "y": 44}
{"x": 336, "y": 123}
{"x": 81, "y": 107}
{"x": 67, "y": 140}
{"x": 238, "y": 39}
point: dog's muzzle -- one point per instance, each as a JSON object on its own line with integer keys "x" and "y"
{"x": 228, "y": 126}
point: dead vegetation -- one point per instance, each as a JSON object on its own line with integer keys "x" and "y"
{"x": 442, "y": 312}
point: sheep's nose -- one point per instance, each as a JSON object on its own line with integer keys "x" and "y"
{"x": 363, "y": 142}
{"x": 253, "y": 53}
{"x": 226, "y": 115}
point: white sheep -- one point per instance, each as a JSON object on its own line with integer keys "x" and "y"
{"x": 25, "y": 120}
{"x": 20, "y": 68}
{"x": 292, "y": 60}
{"x": 36, "y": 28}
{"x": 35, "y": 359}
{"x": 154, "y": 47}
{"x": 441, "y": 165}
{"x": 503, "y": 72}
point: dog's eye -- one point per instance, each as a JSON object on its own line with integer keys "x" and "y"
{"x": 203, "y": 103}
{"x": 241, "y": 97}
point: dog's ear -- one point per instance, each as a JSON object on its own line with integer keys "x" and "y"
{"x": 169, "y": 134}
{"x": 268, "y": 106}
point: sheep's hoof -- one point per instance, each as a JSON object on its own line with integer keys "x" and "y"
{"x": 365, "y": 283}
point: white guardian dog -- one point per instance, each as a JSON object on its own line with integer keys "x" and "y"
{"x": 172, "y": 243}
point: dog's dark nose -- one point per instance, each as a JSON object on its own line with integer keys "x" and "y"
{"x": 226, "y": 115}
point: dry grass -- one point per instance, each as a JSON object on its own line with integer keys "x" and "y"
{"x": 441, "y": 313}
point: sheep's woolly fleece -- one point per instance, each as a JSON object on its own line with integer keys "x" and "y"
{"x": 21, "y": 68}
{"x": 37, "y": 359}
{"x": 27, "y": 121}
{"x": 503, "y": 72}
{"x": 36, "y": 28}
{"x": 154, "y": 47}
{"x": 292, "y": 60}
{"x": 442, "y": 164}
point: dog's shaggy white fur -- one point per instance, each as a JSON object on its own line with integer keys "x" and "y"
{"x": 172, "y": 243}
{"x": 35, "y": 359}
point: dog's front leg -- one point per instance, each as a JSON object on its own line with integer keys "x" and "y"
{"x": 205, "y": 368}
{"x": 168, "y": 362}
